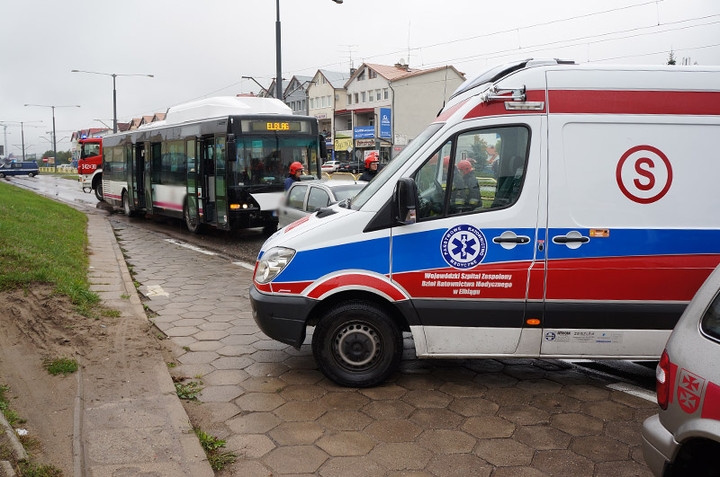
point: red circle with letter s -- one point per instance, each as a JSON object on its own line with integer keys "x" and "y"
{"x": 644, "y": 174}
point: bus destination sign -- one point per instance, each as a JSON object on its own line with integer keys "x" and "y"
{"x": 277, "y": 126}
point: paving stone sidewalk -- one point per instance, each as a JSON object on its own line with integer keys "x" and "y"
{"x": 280, "y": 415}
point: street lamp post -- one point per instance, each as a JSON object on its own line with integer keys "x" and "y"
{"x": 114, "y": 75}
{"x": 278, "y": 61}
{"x": 53, "y": 118}
{"x": 22, "y": 132}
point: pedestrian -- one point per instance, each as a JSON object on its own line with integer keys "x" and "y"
{"x": 468, "y": 192}
{"x": 371, "y": 167}
{"x": 296, "y": 169}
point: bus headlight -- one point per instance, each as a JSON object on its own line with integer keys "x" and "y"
{"x": 272, "y": 263}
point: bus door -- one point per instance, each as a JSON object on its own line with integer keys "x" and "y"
{"x": 152, "y": 174}
{"x": 221, "y": 202}
{"x": 138, "y": 173}
{"x": 206, "y": 185}
{"x": 192, "y": 179}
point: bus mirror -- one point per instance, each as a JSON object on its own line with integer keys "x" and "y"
{"x": 323, "y": 147}
{"x": 405, "y": 201}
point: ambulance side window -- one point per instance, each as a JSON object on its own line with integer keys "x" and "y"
{"x": 431, "y": 181}
{"x": 490, "y": 169}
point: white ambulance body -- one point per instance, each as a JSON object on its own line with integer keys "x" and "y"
{"x": 597, "y": 220}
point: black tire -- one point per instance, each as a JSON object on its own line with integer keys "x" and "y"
{"x": 127, "y": 209}
{"x": 357, "y": 344}
{"x": 2, "y": 176}
{"x": 31, "y": 174}
{"x": 98, "y": 191}
{"x": 192, "y": 223}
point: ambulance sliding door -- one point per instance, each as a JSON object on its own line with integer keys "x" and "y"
{"x": 618, "y": 272}
{"x": 466, "y": 262}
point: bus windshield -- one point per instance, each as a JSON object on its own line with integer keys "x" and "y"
{"x": 266, "y": 159}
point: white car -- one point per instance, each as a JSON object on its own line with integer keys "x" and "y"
{"x": 330, "y": 166}
{"x": 305, "y": 197}
{"x": 684, "y": 438}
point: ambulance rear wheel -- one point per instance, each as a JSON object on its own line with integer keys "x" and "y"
{"x": 357, "y": 344}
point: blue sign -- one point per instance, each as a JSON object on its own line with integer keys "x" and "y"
{"x": 386, "y": 123}
{"x": 364, "y": 132}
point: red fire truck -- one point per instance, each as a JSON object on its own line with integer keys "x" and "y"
{"x": 90, "y": 165}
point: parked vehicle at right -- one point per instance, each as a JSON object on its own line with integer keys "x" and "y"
{"x": 305, "y": 197}
{"x": 19, "y": 169}
{"x": 684, "y": 437}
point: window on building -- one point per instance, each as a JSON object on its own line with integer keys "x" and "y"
{"x": 361, "y": 76}
{"x": 377, "y": 94}
{"x": 372, "y": 74}
{"x": 386, "y": 94}
{"x": 363, "y": 96}
{"x": 371, "y": 96}
{"x": 349, "y": 98}
{"x": 349, "y": 124}
{"x": 355, "y": 98}
{"x": 302, "y": 105}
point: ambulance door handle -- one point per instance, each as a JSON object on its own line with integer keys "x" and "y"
{"x": 509, "y": 240}
{"x": 572, "y": 239}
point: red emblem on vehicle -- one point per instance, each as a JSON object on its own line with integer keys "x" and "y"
{"x": 690, "y": 388}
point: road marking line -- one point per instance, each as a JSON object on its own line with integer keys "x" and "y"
{"x": 244, "y": 265}
{"x": 191, "y": 247}
{"x": 634, "y": 391}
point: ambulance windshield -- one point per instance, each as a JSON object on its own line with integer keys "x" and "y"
{"x": 389, "y": 170}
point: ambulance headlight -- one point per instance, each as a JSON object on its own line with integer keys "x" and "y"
{"x": 272, "y": 263}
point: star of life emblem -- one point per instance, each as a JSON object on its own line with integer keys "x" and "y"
{"x": 690, "y": 388}
{"x": 463, "y": 246}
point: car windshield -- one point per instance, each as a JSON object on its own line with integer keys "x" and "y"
{"x": 395, "y": 164}
{"x": 347, "y": 191}
{"x": 710, "y": 324}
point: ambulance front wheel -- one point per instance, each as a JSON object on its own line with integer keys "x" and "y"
{"x": 357, "y": 344}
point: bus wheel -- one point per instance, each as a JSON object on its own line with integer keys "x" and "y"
{"x": 99, "y": 191}
{"x": 126, "y": 205}
{"x": 191, "y": 222}
{"x": 357, "y": 344}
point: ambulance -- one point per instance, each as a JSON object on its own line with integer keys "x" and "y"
{"x": 551, "y": 210}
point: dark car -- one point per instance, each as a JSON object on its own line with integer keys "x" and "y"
{"x": 352, "y": 167}
{"x": 19, "y": 169}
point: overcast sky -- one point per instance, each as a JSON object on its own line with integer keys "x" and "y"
{"x": 198, "y": 49}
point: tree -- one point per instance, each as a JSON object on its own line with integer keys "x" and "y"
{"x": 671, "y": 58}
{"x": 62, "y": 156}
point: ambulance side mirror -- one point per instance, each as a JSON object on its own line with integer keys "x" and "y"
{"x": 405, "y": 201}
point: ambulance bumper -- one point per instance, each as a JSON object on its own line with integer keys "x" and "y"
{"x": 282, "y": 318}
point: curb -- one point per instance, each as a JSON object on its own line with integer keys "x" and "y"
{"x": 17, "y": 449}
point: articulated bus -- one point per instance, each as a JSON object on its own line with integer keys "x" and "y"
{"x": 217, "y": 162}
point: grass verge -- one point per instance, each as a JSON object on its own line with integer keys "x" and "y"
{"x": 42, "y": 241}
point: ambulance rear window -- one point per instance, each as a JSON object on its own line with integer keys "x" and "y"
{"x": 710, "y": 323}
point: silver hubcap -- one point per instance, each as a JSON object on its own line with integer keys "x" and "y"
{"x": 357, "y": 344}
